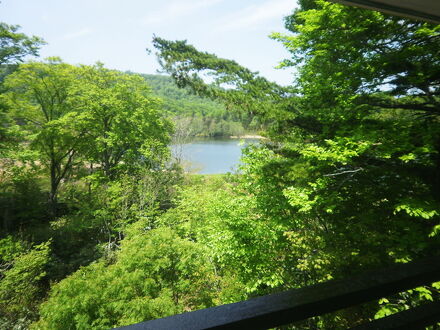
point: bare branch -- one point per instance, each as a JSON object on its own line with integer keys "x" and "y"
{"x": 345, "y": 172}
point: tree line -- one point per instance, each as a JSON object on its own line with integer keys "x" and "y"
{"x": 199, "y": 116}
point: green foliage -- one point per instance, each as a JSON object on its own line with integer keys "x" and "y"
{"x": 406, "y": 300}
{"x": 14, "y": 46}
{"x": 21, "y": 286}
{"x": 225, "y": 222}
{"x": 350, "y": 178}
{"x": 10, "y": 248}
{"x": 38, "y": 96}
{"x": 103, "y": 209}
{"x": 22, "y": 198}
{"x": 96, "y": 140}
{"x": 238, "y": 88}
{"x": 348, "y": 55}
{"x": 71, "y": 115}
{"x": 123, "y": 125}
{"x": 166, "y": 275}
{"x": 199, "y": 116}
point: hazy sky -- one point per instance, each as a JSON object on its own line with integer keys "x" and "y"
{"x": 116, "y": 32}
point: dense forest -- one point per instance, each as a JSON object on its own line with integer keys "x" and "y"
{"x": 194, "y": 115}
{"x": 100, "y": 228}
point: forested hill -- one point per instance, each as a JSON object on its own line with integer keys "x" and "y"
{"x": 199, "y": 116}
{"x": 184, "y": 101}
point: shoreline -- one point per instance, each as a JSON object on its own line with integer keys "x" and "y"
{"x": 246, "y": 136}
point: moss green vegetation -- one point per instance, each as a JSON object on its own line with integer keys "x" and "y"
{"x": 195, "y": 115}
{"x": 100, "y": 229}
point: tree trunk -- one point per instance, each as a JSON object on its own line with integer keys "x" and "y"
{"x": 53, "y": 191}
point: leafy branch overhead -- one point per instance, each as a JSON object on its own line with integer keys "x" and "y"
{"x": 15, "y": 46}
{"x": 382, "y": 61}
{"x": 220, "y": 79}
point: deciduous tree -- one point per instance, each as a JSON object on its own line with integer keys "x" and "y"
{"x": 125, "y": 127}
{"x": 39, "y": 96}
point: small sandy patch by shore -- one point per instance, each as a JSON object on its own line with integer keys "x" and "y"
{"x": 247, "y": 137}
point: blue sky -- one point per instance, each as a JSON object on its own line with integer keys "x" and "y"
{"x": 116, "y": 32}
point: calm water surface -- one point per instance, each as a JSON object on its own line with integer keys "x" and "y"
{"x": 211, "y": 156}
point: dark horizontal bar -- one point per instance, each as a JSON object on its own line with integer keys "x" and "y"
{"x": 299, "y": 304}
{"x": 393, "y": 10}
{"x": 414, "y": 318}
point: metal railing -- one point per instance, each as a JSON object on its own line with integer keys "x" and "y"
{"x": 299, "y": 304}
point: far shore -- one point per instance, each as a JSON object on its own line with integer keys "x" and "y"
{"x": 247, "y": 137}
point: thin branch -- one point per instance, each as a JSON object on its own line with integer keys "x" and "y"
{"x": 345, "y": 172}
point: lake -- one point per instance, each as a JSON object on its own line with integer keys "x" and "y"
{"x": 211, "y": 156}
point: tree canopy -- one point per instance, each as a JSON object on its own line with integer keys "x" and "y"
{"x": 350, "y": 176}
{"x": 347, "y": 180}
{"x": 38, "y": 96}
{"x": 123, "y": 121}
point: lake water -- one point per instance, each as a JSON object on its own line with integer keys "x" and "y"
{"x": 211, "y": 156}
